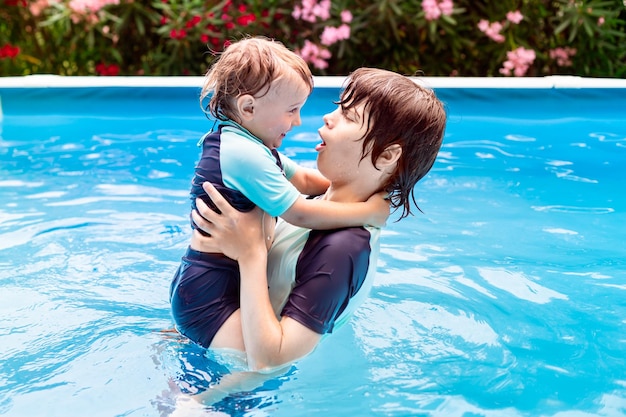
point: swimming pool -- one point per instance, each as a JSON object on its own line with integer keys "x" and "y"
{"x": 505, "y": 298}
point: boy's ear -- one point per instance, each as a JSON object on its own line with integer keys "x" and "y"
{"x": 389, "y": 156}
{"x": 245, "y": 106}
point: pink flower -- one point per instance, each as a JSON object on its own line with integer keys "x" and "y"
{"x": 446, "y": 7}
{"x": 518, "y": 61}
{"x": 346, "y": 16}
{"x": 332, "y": 35}
{"x": 322, "y": 10}
{"x": 38, "y": 6}
{"x": 297, "y": 13}
{"x": 432, "y": 13}
{"x": 89, "y": 6}
{"x": 311, "y": 10}
{"x": 315, "y": 55}
{"x": 600, "y": 20}
{"x": 514, "y": 17}
{"x": 562, "y": 56}
{"x": 492, "y": 30}
{"x": 433, "y": 9}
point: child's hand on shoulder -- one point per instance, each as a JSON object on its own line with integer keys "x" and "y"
{"x": 379, "y": 206}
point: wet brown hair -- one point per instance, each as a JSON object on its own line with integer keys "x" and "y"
{"x": 398, "y": 111}
{"x": 249, "y": 66}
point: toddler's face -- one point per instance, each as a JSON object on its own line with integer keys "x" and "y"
{"x": 275, "y": 113}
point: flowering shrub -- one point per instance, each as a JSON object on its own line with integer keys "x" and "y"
{"x": 430, "y": 37}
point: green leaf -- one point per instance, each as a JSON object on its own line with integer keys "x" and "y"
{"x": 560, "y": 28}
{"x": 140, "y": 26}
{"x": 116, "y": 55}
{"x": 448, "y": 19}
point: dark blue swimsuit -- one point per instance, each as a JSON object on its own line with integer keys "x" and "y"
{"x": 330, "y": 267}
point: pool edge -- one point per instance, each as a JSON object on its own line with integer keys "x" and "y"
{"x": 548, "y": 82}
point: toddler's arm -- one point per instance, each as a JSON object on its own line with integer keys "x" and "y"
{"x": 309, "y": 181}
{"x": 324, "y": 214}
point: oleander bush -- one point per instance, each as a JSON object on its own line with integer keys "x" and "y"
{"x": 427, "y": 37}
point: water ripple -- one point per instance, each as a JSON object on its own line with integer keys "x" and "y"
{"x": 93, "y": 200}
{"x": 608, "y": 137}
{"x": 573, "y": 209}
{"x": 567, "y": 174}
{"x": 519, "y": 285}
{"x": 486, "y": 144}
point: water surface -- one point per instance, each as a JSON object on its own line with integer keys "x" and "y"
{"x": 505, "y": 298}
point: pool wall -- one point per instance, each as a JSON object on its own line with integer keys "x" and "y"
{"x": 48, "y": 94}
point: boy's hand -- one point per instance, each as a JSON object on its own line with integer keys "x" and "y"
{"x": 379, "y": 207}
{"x": 230, "y": 232}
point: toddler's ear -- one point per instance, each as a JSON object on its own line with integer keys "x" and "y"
{"x": 245, "y": 106}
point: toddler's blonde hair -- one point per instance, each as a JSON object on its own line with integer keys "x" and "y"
{"x": 249, "y": 66}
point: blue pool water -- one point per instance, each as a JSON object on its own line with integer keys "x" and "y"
{"x": 505, "y": 298}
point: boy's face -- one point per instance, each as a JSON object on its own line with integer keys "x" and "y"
{"x": 340, "y": 153}
{"x": 278, "y": 111}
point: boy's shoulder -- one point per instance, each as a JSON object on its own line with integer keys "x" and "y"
{"x": 349, "y": 240}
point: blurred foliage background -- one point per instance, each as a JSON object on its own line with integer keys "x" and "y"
{"x": 414, "y": 37}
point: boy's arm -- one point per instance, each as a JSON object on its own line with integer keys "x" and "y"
{"x": 309, "y": 181}
{"x": 268, "y": 341}
{"x": 323, "y": 214}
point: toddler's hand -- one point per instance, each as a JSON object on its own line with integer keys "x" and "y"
{"x": 379, "y": 205}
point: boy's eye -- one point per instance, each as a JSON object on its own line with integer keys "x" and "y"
{"x": 349, "y": 115}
